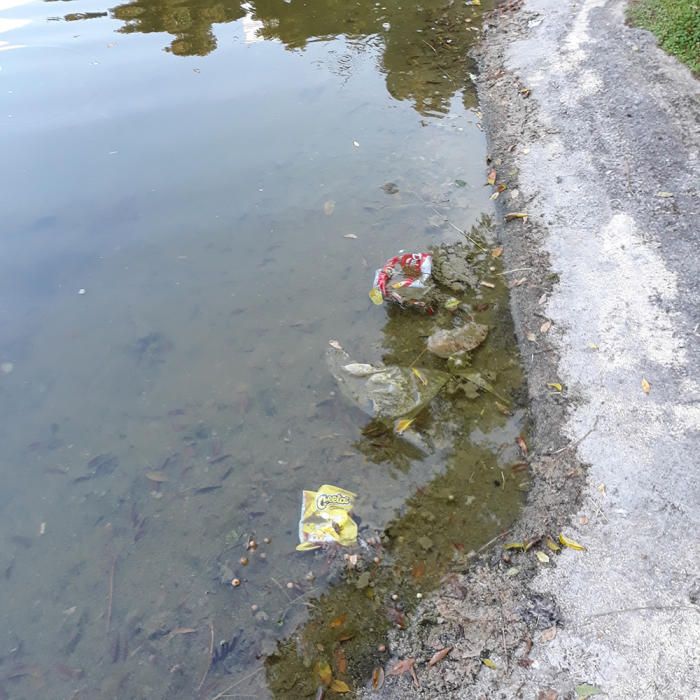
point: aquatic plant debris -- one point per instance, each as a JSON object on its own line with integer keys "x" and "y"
{"x": 325, "y": 518}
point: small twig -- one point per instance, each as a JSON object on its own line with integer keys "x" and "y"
{"x": 643, "y": 607}
{"x": 519, "y": 269}
{"x": 575, "y": 443}
{"x": 111, "y": 592}
{"x": 503, "y": 634}
{"x": 224, "y": 692}
{"x": 211, "y": 655}
{"x": 280, "y": 586}
{"x": 427, "y": 43}
{"x": 492, "y": 540}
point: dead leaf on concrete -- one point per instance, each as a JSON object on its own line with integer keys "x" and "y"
{"x": 532, "y": 337}
{"x": 586, "y": 690}
{"x": 664, "y": 194}
{"x": 438, "y": 656}
{"x": 522, "y": 444}
{"x": 511, "y": 216}
{"x": 377, "y": 678}
{"x": 544, "y": 328}
{"x": 571, "y": 544}
{"x": 490, "y": 664}
{"x": 497, "y": 252}
{"x": 491, "y": 179}
{"x": 646, "y": 386}
{"x": 547, "y": 694}
{"x": 549, "y": 634}
{"x": 555, "y": 385}
{"x": 542, "y": 557}
{"x": 406, "y": 666}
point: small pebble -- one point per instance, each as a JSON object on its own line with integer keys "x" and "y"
{"x": 290, "y": 584}
{"x": 243, "y": 561}
{"x": 81, "y": 291}
{"x": 419, "y": 595}
{"x": 252, "y": 544}
{"x": 254, "y": 607}
{"x": 262, "y": 555}
{"x": 267, "y": 540}
{"x": 394, "y": 596}
{"x": 381, "y": 648}
{"x": 236, "y": 582}
{"x": 376, "y": 560}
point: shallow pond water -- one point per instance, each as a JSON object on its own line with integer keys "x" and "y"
{"x": 195, "y": 196}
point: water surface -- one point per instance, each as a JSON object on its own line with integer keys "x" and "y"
{"x": 180, "y": 181}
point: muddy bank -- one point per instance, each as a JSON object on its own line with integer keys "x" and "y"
{"x": 591, "y": 131}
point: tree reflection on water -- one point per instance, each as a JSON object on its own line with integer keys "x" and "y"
{"x": 423, "y": 46}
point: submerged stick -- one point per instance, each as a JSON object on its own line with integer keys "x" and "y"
{"x": 110, "y": 599}
{"x": 211, "y": 655}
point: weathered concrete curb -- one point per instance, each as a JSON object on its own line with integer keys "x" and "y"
{"x": 595, "y": 132}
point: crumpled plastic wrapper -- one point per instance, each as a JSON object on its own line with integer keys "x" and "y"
{"x": 404, "y": 279}
{"x": 385, "y": 392}
{"x": 325, "y": 518}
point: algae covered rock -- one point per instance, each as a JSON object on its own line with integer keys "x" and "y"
{"x": 445, "y": 343}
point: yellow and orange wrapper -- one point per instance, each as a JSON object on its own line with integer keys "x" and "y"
{"x": 325, "y": 517}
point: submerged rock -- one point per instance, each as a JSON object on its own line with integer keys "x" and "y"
{"x": 445, "y": 343}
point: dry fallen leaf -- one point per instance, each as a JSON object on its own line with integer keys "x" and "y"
{"x": 542, "y": 557}
{"x": 555, "y": 385}
{"x": 338, "y": 686}
{"x": 497, "y": 252}
{"x": 403, "y": 425}
{"x": 549, "y": 634}
{"x": 491, "y": 179}
{"x": 438, "y": 656}
{"x": 182, "y": 630}
{"x": 324, "y": 672}
{"x": 532, "y": 337}
{"x": 664, "y": 194}
{"x": 571, "y": 544}
{"x": 547, "y": 694}
{"x": 489, "y": 285}
{"x": 489, "y": 663}
{"x": 406, "y": 666}
{"x": 341, "y": 661}
{"x": 518, "y": 283}
{"x": 515, "y": 545}
{"x": 335, "y": 344}
{"x": 421, "y": 377}
{"x": 646, "y": 387}
{"x": 157, "y": 477}
{"x": 339, "y": 621}
{"x": 522, "y": 444}
{"x": 377, "y": 678}
{"x": 516, "y": 215}
{"x": 552, "y": 545}
{"x": 350, "y": 235}
{"x": 586, "y": 690}
{"x": 544, "y": 328}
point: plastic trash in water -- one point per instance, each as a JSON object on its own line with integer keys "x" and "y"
{"x": 385, "y": 392}
{"x": 325, "y": 518}
{"x": 404, "y": 279}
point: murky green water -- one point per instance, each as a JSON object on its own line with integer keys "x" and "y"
{"x": 194, "y": 168}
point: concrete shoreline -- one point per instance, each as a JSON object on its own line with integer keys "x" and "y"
{"x": 594, "y": 130}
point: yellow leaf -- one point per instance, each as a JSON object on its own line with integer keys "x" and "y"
{"x": 515, "y": 545}
{"x": 552, "y": 545}
{"x": 664, "y": 194}
{"x": 542, "y": 557}
{"x": 421, "y": 377}
{"x": 491, "y": 179}
{"x": 338, "y": 686}
{"x": 404, "y": 425}
{"x": 516, "y": 215}
{"x": 497, "y": 252}
{"x": 375, "y": 294}
{"x": 593, "y": 346}
{"x": 452, "y": 303}
{"x": 544, "y": 328}
{"x": 646, "y": 387}
{"x": 476, "y": 2}
{"x": 555, "y": 385}
{"x": 489, "y": 663}
{"x": 571, "y": 544}
{"x": 325, "y": 673}
{"x": 339, "y": 621}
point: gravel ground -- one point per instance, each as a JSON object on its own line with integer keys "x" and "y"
{"x": 595, "y": 132}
